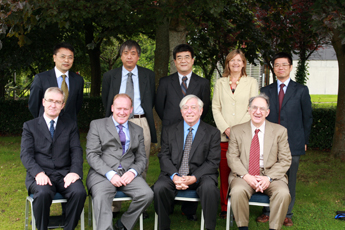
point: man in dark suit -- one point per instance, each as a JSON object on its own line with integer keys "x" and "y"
{"x": 53, "y": 158}
{"x": 259, "y": 157}
{"x": 116, "y": 153}
{"x": 173, "y": 88}
{"x": 189, "y": 159}
{"x": 71, "y": 83}
{"x": 138, "y": 80}
{"x": 290, "y": 107}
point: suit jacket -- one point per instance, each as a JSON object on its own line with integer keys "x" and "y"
{"x": 43, "y": 81}
{"x": 295, "y": 115}
{"x": 104, "y": 150}
{"x": 39, "y": 153}
{"x": 204, "y": 156}
{"x": 111, "y": 86}
{"x": 276, "y": 152}
{"x": 169, "y": 95}
{"x": 229, "y": 108}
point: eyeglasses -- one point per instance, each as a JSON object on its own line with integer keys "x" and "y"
{"x": 193, "y": 107}
{"x": 50, "y": 101}
{"x": 255, "y": 108}
{"x": 284, "y": 65}
{"x": 186, "y": 58}
{"x": 63, "y": 57}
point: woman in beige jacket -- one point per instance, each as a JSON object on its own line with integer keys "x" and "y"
{"x": 229, "y": 106}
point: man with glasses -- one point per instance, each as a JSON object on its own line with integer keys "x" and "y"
{"x": 71, "y": 83}
{"x": 259, "y": 157}
{"x": 290, "y": 107}
{"x": 53, "y": 158}
{"x": 189, "y": 159}
{"x": 173, "y": 88}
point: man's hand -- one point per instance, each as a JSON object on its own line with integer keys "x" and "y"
{"x": 227, "y": 132}
{"x": 116, "y": 180}
{"x": 70, "y": 178}
{"x": 188, "y": 180}
{"x": 305, "y": 147}
{"x": 179, "y": 183}
{"x": 264, "y": 182}
{"x": 42, "y": 179}
{"x": 127, "y": 178}
{"x": 251, "y": 180}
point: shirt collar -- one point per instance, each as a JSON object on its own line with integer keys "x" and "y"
{"x": 125, "y": 125}
{"x": 262, "y": 127}
{"x": 188, "y": 76}
{"x": 134, "y": 71}
{"x": 195, "y": 127}
{"x": 286, "y": 82}
{"x": 58, "y": 73}
{"x": 47, "y": 120}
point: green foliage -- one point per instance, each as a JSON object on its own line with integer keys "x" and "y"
{"x": 92, "y": 109}
{"x": 302, "y": 72}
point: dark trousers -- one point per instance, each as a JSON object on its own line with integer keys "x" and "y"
{"x": 164, "y": 196}
{"x": 43, "y": 196}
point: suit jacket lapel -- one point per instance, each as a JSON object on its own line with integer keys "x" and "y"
{"x": 176, "y": 85}
{"x": 142, "y": 82}
{"x": 193, "y": 84}
{"x": 289, "y": 92}
{"x": 274, "y": 96}
{"x": 268, "y": 141}
{"x": 60, "y": 126}
{"x": 44, "y": 129}
{"x": 179, "y": 139}
{"x": 247, "y": 141}
{"x": 52, "y": 78}
{"x": 198, "y": 138}
{"x": 116, "y": 83}
{"x": 112, "y": 129}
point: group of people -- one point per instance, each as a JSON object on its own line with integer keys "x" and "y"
{"x": 252, "y": 151}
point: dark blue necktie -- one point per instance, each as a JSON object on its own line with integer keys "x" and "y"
{"x": 51, "y": 129}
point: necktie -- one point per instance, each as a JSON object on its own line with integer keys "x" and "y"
{"x": 184, "y": 168}
{"x": 122, "y": 136}
{"x": 64, "y": 87}
{"x": 130, "y": 90}
{"x": 51, "y": 129}
{"x": 184, "y": 85}
{"x": 254, "y": 155}
{"x": 281, "y": 97}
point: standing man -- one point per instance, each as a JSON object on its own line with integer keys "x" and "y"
{"x": 259, "y": 157}
{"x": 173, "y": 88}
{"x": 116, "y": 153}
{"x": 71, "y": 83}
{"x": 290, "y": 107}
{"x": 53, "y": 158}
{"x": 189, "y": 159}
{"x": 139, "y": 84}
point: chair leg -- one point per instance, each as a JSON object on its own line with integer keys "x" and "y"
{"x": 33, "y": 221}
{"x": 94, "y": 227}
{"x": 156, "y": 221}
{"x": 26, "y": 214}
{"x": 89, "y": 211}
{"x": 82, "y": 223}
{"x": 228, "y": 220}
{"x": 202, "y": 227}
{"x": 141, "y": 222}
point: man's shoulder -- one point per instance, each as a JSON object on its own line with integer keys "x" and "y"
{"x": 204, "y": 80}
{"x": 135, "y": 127}
{"x": 75, "y": 75}
{"x": 146, "y": 70}
{"x": 113, "y": 71}
{"x": 276, "y": 127}
{"x": 169, "y": 77}
{"x": 210, "y": 128}
{"x": 45, "y": 73}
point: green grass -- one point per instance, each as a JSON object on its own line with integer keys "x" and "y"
{"x": 320, "y": 192}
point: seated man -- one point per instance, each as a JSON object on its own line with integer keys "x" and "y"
{"x": 259, "y": 157}
{"x": 115, "y": 151}
{"x": 189, "y": 159}
{"x": 53, "y": 158}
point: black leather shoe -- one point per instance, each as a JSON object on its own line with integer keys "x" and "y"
{"x": 192, "y": 217}
{"x": 145, "y": 215}
{"x": 119, "y": 226}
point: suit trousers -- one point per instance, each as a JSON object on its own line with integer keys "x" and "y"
{"x": 224, "y": 172}
{"x": 43, "y": 196}
{"x": 165, "y": 192}
{"x": 292, "y": 176}
{"x": 241, "y": 192}
{"x": 102, "y": 197}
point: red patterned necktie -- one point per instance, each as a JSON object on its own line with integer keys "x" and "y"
{"x": 281, "y": 97}
{"x": 254, "y": 155}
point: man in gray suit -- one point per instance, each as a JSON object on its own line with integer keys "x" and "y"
{"x": 115, "y": 151}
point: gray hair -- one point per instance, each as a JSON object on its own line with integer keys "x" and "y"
{"x": 129, "y": 45}
{"x": 188, "y": 97}
{"x": 56, "y": 90}
{"x": 263, "y": 96}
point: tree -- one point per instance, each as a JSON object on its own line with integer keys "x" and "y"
{"x": 329, "y": 20}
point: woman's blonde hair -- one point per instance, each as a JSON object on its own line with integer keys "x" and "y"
{"x": 230, "y": 56}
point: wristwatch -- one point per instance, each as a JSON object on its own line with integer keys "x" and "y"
{"x": 270, "y": 179}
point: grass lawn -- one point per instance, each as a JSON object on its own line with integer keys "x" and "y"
{"x": 320, "y": 192}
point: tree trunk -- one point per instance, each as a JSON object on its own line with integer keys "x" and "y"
{"x": 94, "y": 55}
{"x": 3, "y": 82}
{"x": 338, "y": 148}
{"x": 177, "y": 36}
{"x": 161, "y": 64}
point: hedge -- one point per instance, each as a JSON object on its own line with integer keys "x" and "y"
{"x": 14, "y": 113}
